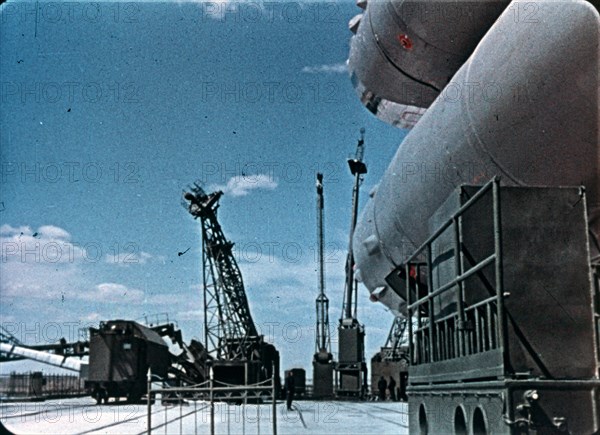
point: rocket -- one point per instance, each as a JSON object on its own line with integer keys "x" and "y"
{"x": 488, "y": 88}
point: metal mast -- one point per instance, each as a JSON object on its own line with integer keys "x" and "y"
{"x": 358, "y": 169}
{"x": 229, "y": 329}
{"x": 323, "y": 359}
{"x": 351, "y": 379}
{"x": 323, "y": 339}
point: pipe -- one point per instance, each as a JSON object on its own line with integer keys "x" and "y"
{"x": 43, "y": 357}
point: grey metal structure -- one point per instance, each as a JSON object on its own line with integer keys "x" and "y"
{"x": 240, "y": 355}
{"x": 323, "y": 359}
{"x": 7, "y": 338}
{"x": 121, "y": 352}
{"x": 351, "y": 369}
{"x": 507, "y": 310}
{"x": 495, "y": 253}
{"x": 396, "y": 343}
{"x": 229, "y": 330}
{"x": 62, "y": 348}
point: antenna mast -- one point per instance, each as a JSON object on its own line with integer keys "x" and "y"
{"x": 323, "y": 359}
{"x": 358, "y": 169}
{"x": 323, "y": 340}
{"x": 351, "y": 379}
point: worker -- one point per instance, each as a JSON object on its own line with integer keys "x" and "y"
{"x": 290, "y": 389}
{"x": 392, "y": 388}
{"x": 382, "y": 385}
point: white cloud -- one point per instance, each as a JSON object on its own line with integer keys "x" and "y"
{"x": 9, "y": 231}
{"x": 48, "y": 245}
{"x": 242, "y": 185}
{"x": 27, "y": 283}
{"x": 52, "y": 232}
{"x": 47, "y": 232}
{"x": 92, "y": 317}
{"x": 114, "y": 293}
{"x": 51, "y": 245}
{"x": 45, "y": 265}
{"x": 336, "y": 68}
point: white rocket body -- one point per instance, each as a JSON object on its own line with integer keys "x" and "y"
{"x": 524, "y": 106}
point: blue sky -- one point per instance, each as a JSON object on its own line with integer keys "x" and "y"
{"x": 109, "y": 112}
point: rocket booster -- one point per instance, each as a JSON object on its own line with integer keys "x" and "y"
{"x": 523, "y": 106}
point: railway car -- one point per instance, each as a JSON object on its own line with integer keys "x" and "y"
{"x": 299, "y": 382}
{"x": 121, "y": 352}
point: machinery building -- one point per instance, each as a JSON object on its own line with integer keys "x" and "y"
{"x": 121, "y": 353}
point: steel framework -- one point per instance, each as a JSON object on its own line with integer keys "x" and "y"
{"x": 358, "y": 169}
{"x": 351, "y": 379}
{"x": 397, "y": 337}
{"x": 323, "y": 338}
{"x": 62, "y": 348}
{"x": 229, "y": 330}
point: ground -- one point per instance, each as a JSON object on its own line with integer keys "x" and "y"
{"x": 82, "y": 416}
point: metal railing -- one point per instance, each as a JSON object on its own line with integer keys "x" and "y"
{"x": 596, "y": 278}
{"x": 470, "y": 329}
{"x": 213, "y": 391}
{"x": 36, "y": 385}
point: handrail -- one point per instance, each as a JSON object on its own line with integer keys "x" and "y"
{"x": 459, "y": 212}
{"x": 481, "y": 303}
{"x": 489, "y": 260}
{"x": 440, "y": 339}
